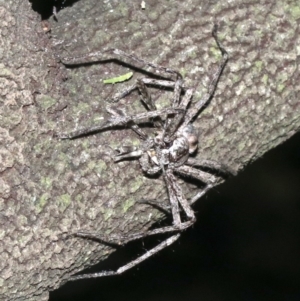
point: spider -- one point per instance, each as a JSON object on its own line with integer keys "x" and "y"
{"x": 168, "y": 153}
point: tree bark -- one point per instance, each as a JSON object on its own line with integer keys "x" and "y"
{"x": 49, "y": 187}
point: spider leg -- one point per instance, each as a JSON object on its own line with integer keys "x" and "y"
{"x": 157, "y": 68}
{"x": 102, "y": 55}
{"x": 171, "y": 128}
{"x": 213, "y": 165}
{"x": 190, "y": 115}
{"x": 174, "y": 192}
{"x": 145, "y": 80}
{"x": 189, "y": 170}
{"x": 195, "y": 173}
{"x": 176, "y": 196}
{"x": 131, "y": 264}
{"x": 119, "y": 114}
{"x": 206, "y": 177}
{"x": 201, "y": 193}
{"x": 166, "y": 209}
{"x": 119, "y": 120}
{"x": 122, "y": 93}
{"x": 183, "y": 202}
{"x": 156, "y": 204}
{"x": 146, "y": 97}
{"x": 147, "y": 100}
{"x": 115, "y": 54}
{"x": 177, "y": 85}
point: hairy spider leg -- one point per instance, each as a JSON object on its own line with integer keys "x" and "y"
{"x": 120, "y": 113}
{"x": 171, "y": 129}
{"x": 193, "y": 112}
{"x": 150, "y": 252}
{"x": 211, "y": 164}
{"x": 141, "y": 83}
{"x": 102, "y": 56}
{"x": 201, "y": 193}
{"x": 146, "y": 81}
{"x": 157, "y": 68}
{"x": 157, "y": 204}
{"x": 146, "y": 97}
{"x": 119, "y": 121}
{"x": 99, "y": 55}
{"x": 131, "y": 264}
{"x": 176, "y": 197}
{"x": 177, "y": 84}
{"x": 147, "y": 100}
{"x": 204, "y": 177}
{"x": 195, "y": 173}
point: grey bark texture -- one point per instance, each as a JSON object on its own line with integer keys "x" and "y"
{"x": 49, "y": 187}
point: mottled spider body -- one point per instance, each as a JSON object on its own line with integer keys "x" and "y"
{"x": 160, "y": 153}
{"x": 168, "y": 152}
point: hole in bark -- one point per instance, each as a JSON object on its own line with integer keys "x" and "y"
{"x": 46, "y": 8}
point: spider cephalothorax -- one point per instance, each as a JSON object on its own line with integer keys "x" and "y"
{"x": 172, "y": 153}
{"x": 167, "y": 152}
{"x": 161, "y": 152}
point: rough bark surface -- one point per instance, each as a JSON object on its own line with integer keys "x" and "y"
{"x": 50, "y": 187}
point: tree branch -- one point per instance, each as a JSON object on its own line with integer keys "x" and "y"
{"x": 49, "y": 187}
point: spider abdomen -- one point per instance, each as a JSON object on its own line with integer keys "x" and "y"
{"x": 179, "y": 151}
{"x": 191, "y": 135}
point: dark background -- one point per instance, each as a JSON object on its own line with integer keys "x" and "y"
{"x": 245, "y": 245}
